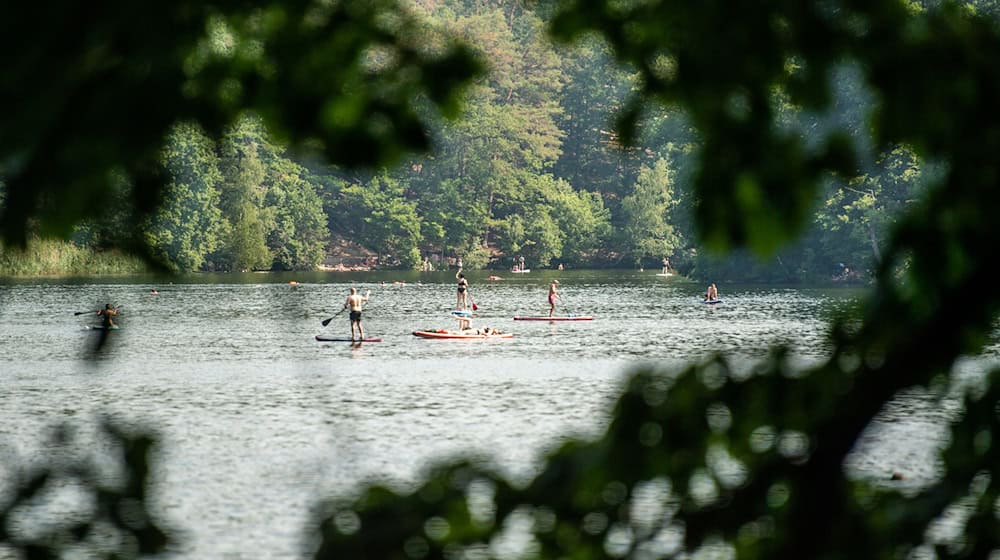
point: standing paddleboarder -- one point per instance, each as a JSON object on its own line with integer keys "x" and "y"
{"x": 553, "y": 295}
{"x": 462, "y": 299}
{"x": 355, "y": 303}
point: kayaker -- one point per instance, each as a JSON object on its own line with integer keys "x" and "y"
{"x": 355, "y": 303}
{"x": 108, "y": 313}
{"x": 553, "y": 294}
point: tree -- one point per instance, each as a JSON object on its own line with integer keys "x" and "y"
{"x": 186, "y": 227}
{"x": 648, "y": 231}
{"x": 865, "y": 208}
{"x": 376, "y": 215}
{"x": 244, "y": 189}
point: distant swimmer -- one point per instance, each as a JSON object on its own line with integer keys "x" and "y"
{"x": 712, "y": 294}
{"x": 108, "y": 313}
{"x": 494, "y": 278}
{"x": 553, "y": 295}
{"x": 355, "y": 303}
{"x": 154, "y": 292}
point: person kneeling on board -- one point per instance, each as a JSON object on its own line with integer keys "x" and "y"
{"x": 712, "y": 294}
{"x": 108, "y": 313}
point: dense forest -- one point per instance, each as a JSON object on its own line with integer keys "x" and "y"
{"x": 530, "y": 168}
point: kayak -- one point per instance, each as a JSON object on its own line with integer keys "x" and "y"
{"x": 442, "y": 333}
{"x": 560, "y": 318}
{"x": 325, "y": 338}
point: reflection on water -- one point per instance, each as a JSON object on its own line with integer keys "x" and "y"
{"x": 259, "y": 420}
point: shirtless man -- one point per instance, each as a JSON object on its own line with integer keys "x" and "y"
{"x": 552, "y": 297}
{"x": 355, "y": 303}
{"x": 109, "y": 314}
{"x": 666, "y": 266}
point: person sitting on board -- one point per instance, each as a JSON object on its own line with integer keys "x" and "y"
{"x": 553, "y": 294}
{"x": 462, "y": 301}
{"x": 712, "y": 294}
{"x": 108, "y": 313}
{"x": 355, "y": 303}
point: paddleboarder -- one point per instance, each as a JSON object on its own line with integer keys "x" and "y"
{"x": 108, "y": 314}
{"x": 666, "y": 266}
{"x": 712, "y": 294}
{"x": 553, "y": 295}
{"x": 462, "y": 300}
{"x": 355, "y": 302}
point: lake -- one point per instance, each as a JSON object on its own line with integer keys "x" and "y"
{"x": 258, "y": 420}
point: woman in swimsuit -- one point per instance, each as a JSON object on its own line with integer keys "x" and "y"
{"x": 462, "y": 301}
{"x": 553, "y": 294}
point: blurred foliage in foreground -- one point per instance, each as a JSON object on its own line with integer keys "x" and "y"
{"x": 86, "y": 498}
{"x": 715, "y": 462}
{"x": 90, "y": 92}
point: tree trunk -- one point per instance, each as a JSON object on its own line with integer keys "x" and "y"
{"x": 875, "y": 250}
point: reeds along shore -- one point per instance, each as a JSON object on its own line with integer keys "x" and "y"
{"x": 44, "y": 257}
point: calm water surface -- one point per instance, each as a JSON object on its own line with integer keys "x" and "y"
{"x": 258, "y": 420}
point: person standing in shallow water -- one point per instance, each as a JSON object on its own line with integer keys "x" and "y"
{"x": 355, "y": 303}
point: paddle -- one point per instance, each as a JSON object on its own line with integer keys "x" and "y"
{"x": 326, "y": 322}
{"x": 117, "y": 307}
{"x": 474, "y": 306}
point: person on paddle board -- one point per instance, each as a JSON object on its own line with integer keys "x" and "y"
{"x": 462, "y": 299}
{"x": 108, "y": 314}
{"x": 355, "y": 303}
{"x": 553, "y": 295}
{"x": 712, "y": 294}
{"x": 666, "y": 266}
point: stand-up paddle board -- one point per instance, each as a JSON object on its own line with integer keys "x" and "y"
{"x": 559, "y": 318}
{"x": 462, "y": 313}
{"x": 459, "y": 335}
{"x": 102, "y": 328}
{"x": 525, "y": 271}
{"x": 325, "y": 338}
{"x": 712, "y": 302}
{"x": 664, "y": 274}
